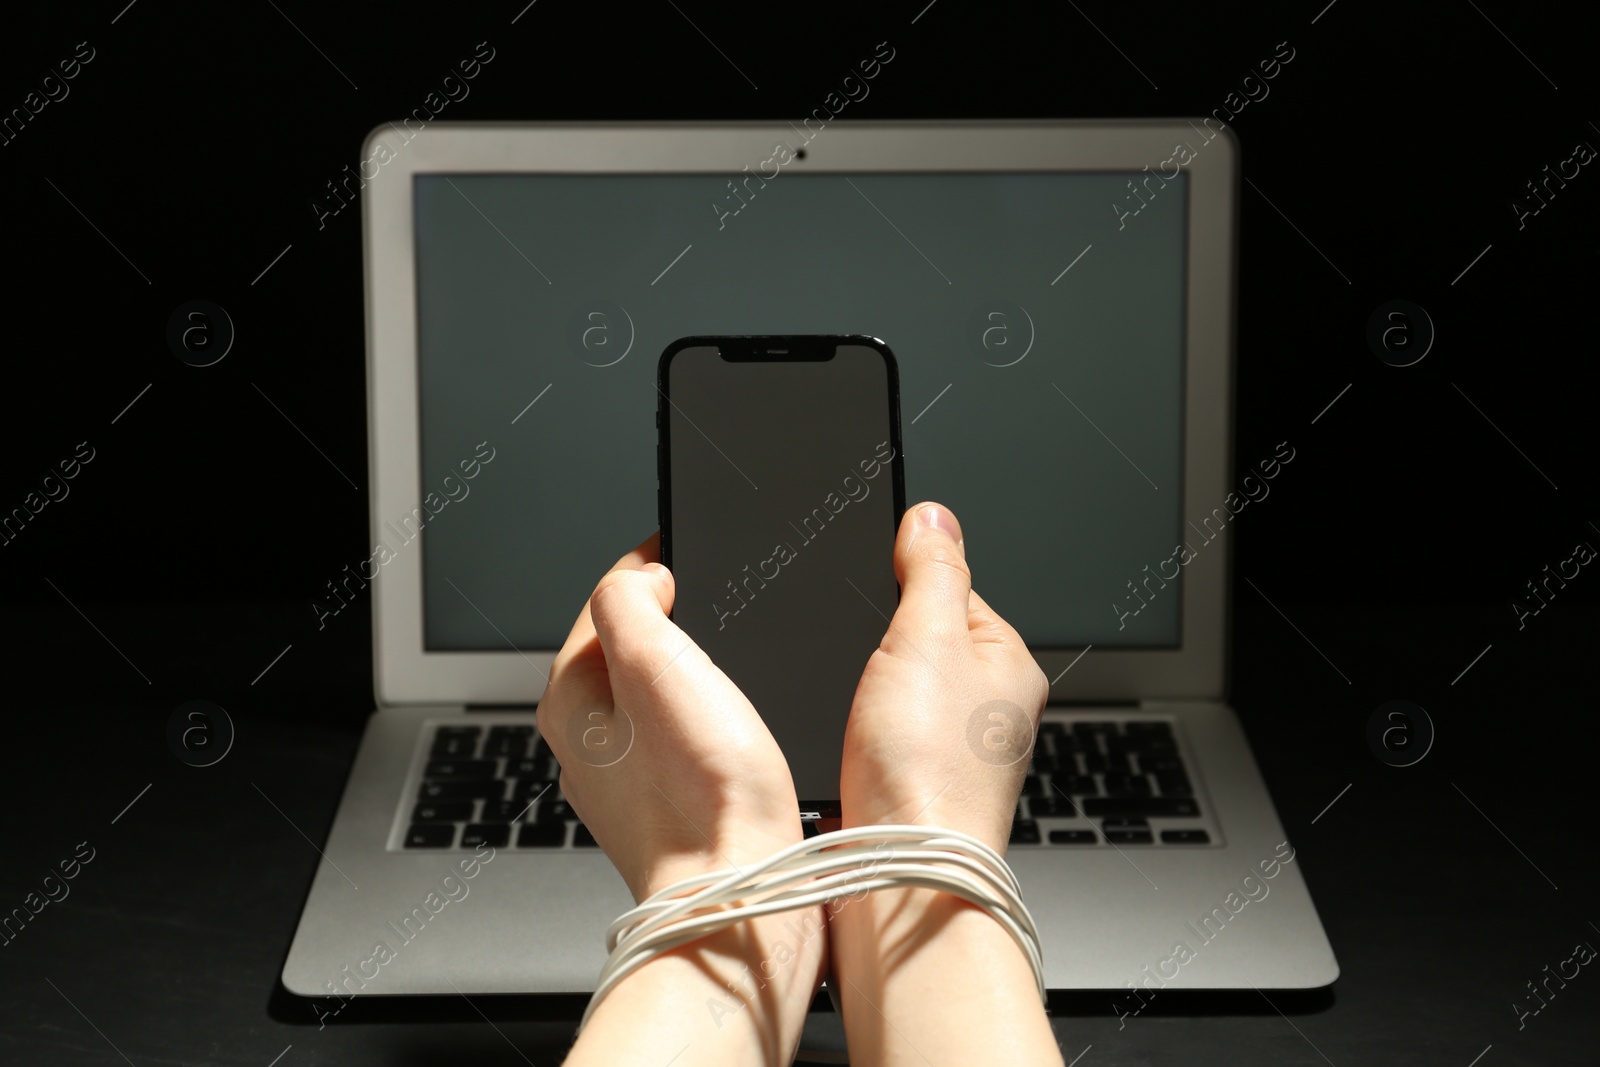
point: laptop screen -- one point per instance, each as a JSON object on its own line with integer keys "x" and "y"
{"x": 1038, "y": 327}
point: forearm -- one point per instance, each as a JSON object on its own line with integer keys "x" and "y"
{"x": 926, "y": 978}
{"x": 739, "y": 997}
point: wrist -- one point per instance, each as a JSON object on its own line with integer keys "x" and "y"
{"x": 739, "y": 995}
{"x": 894, "y": 953}
{"x": 716, "y": 852}
{"x": 769, "y": 968}
{"x": 874, "y": 933}
{"x": 900, "y": 945}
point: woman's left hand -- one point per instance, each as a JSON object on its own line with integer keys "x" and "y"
{"x": 662, "y": 757}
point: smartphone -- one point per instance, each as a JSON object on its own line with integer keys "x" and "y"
{"x": 781, "y": 491}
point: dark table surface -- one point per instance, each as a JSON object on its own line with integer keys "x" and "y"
{"x": 168, "y": 948}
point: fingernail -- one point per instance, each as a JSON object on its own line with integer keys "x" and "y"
{"x": 938, "y": 517}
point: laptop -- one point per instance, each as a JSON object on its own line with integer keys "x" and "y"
{"x": 1060, "y": 298}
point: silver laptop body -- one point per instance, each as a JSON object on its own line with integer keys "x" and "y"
{"x": 1205, "y": 893}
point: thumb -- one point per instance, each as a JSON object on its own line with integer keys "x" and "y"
{"x": 629, "y": 611}
{"x": 665, "y": 586}
{"x": 930, "y": 561}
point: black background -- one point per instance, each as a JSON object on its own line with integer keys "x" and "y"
{"x": 186, "y": 556}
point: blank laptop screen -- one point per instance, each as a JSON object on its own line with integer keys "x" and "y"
{"x": 1037, "y": 325}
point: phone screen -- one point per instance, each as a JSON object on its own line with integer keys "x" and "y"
{"x": 782, "y": 488}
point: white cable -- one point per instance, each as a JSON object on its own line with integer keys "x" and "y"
{"x": 815, "y": 871}
{"x": 723, "y": 886}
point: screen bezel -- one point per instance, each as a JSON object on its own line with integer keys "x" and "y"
{"x": 405, "y": 672}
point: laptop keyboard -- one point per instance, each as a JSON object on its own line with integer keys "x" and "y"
{"x": 1112, "y": 781}
{"x": 491, "y": 785}
{"x": 1091, "y": 782}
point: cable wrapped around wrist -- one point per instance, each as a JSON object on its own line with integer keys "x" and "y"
{"x": 820, "y": 869}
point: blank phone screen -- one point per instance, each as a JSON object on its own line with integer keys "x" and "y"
{"x": 779, "y": 520}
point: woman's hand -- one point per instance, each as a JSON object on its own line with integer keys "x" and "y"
{"x": 661, "y": 755}
{"x": 944, "y": 716}
{"x": 940, "y": 733}
{"x": 675, "y": 774}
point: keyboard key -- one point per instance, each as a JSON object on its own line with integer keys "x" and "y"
{"x": 582, "y": 838}
{"x": 528, "y": 788}
{"x": 459, "y": 768}
{"x": 556, "y": 810}
{"x": 531, "y": 768}
{"x": 1052, "y": 806}
{"x": 1032, "y": 786}
{"x": 1072, "y": 837}
{"x": 462, "y": 789}
{"x": 1155, "y": 764}
{"x": 1111, "y": 763}
{"x": 452, "y": 745}
{"x": 1124, "y": 743}
{"x": 1086, "y": 732}
{"x": 1128, "y": 837}
{"x": 1042, "y": 762}
{"x": 445, "y": 811}
{"x": 1149, "y": 737}
{"x": 508, "y": 745}
{"x": 1127, "y": 785}
{"x": 1024, "y": 832}
{"x": 1065, "y": 743}
{"x": 1185, "y": 837}
{"x": 1053, "y": 730}
{"x": 1124, "y": 824}
{"x": 458, "y": 731}
{"x": 1141, "y": 807}
{"x": 542, "y": 835}
{"x": 1174, "y": 784}
{"x": 495, "y": 835}
{"x": 505, "y": 811}
{"x": 511, "y": 730}
{"x": 808, "y": 828}
{"x": 1078, "y": 785}
{"x": 431, "y": 835}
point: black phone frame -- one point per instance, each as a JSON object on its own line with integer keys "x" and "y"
{"x": 773, "y": 348}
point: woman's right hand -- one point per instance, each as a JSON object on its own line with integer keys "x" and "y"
{"x": 945, "y": 714}
{"x": 940, "y": 733}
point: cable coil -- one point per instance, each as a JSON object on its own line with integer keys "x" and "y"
{"x": 831, "y": 866}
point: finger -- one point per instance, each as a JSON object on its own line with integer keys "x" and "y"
{"x": 578, "y": 676}
{"x": 629, "y": 612}
{"x": 580, "y": 641}
{"x": 935, "y": 582}
{"x": 652, "y": 663}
